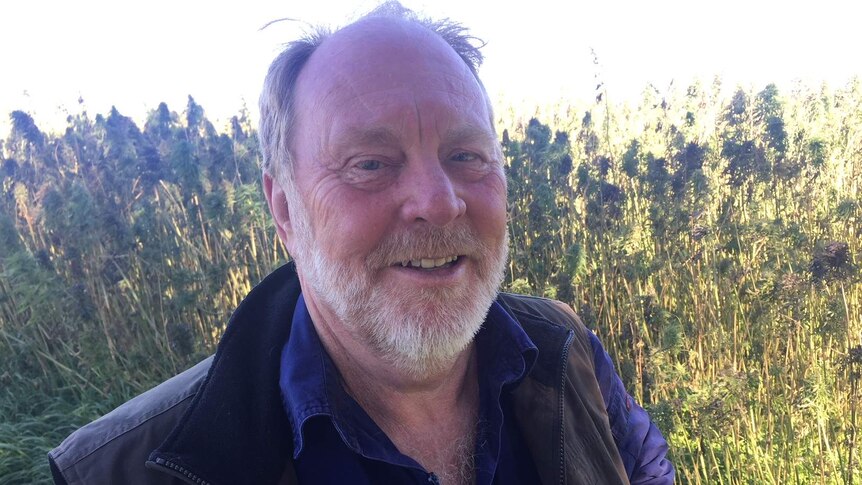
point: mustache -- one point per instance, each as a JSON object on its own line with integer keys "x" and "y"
{"x": 425, "y": 242}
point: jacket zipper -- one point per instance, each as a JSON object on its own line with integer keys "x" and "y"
{"x": 561, "y": 408}
{"x": 186, "y": 474}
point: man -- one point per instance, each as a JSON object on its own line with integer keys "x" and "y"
{"x": 385, "y": 355}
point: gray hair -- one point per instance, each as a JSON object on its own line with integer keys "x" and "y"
{"x": 277, "y": 100}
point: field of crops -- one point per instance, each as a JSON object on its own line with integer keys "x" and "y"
{"x": 713, "y": 242}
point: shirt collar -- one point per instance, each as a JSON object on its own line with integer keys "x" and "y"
{"x": 311, "y": 384}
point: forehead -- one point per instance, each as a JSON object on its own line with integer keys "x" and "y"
{"x": 381, "y": 68}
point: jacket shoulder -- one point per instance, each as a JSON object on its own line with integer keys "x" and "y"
{"x": 551, "y": 311}
{"x": 114, "y": 448}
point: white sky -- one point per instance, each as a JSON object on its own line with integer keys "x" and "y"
{"x": 134, "y": 55}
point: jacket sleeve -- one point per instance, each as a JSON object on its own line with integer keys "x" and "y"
{"x": 641, "y": 444}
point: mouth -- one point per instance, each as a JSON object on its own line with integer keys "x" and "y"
{"x": 430, "y": 263}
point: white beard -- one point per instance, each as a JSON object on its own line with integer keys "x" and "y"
{"x": 419, "y": 331}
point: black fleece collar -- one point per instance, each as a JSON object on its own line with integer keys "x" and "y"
{"x": 235, "y": 431}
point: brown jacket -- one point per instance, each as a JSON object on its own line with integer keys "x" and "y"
{"x": 222, "y": 422}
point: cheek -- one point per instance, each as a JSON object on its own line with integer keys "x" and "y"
{"x": 351, "y": 222}
{"x": 486, "y": 202}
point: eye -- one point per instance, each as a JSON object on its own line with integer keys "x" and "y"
{"x": 463, "y": 157}
{"x": 369, "y": 165}
{"x": 370, "y": 171}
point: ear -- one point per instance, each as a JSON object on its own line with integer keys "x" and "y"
{"x": 277, "y": 201}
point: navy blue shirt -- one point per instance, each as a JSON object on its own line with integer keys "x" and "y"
{"x": 335, "y": 441}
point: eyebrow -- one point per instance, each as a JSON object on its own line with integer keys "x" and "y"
{"x": 470, "y": 132}
{"x": 377, "y": 136}
{"x": 374, "y": 136}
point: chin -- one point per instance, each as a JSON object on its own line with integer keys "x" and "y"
{"x": 422, "y": 331}
{"x": 423, "y": 336}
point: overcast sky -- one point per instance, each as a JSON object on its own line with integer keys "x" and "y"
{"x": 134, "y": 55}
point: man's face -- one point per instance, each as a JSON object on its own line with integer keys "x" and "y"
{"x": 398, "y": 219}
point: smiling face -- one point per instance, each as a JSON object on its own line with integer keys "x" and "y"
{"x": 397, "y": 218}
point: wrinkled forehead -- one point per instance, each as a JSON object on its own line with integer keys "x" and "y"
{"x": 384, "y": 58}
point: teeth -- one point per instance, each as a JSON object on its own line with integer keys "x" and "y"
{"x": 428, "y": 263}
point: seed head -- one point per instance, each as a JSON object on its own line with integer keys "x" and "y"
{"x": 831, "y": 261}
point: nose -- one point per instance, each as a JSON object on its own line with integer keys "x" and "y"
{"x": 430, "y": 194}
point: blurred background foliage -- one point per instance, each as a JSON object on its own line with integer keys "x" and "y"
{"x": 712, "y": 242}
